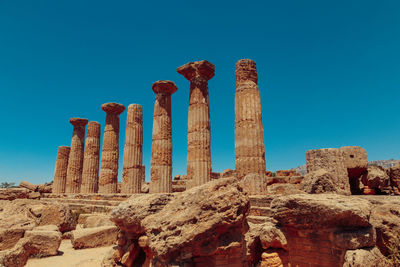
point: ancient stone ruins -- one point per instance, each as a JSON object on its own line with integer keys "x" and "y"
{"x": 342, "y": 212}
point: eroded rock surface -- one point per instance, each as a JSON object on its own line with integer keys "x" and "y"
{"x": 196, "y": 225}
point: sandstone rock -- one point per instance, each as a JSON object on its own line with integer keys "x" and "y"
{"x": 13, "y": 193}
{"x": 376, "y": 179}
{"x": 385, "y": 217}
{"x": 355, "y": 239}
{"x": 271, "y": 260}
{"x": 45, "y": 188}
{"x": 272, "y": 237}
{"x": 286, "y": 173}
{"x": 49, "y": 227}
{"x": 10, "y": 237}
{"x": 60, "y": 215}
{"x": 20, "y": 214}
{"x": 284, "y": 189}
{"x": 35, "y": 243}
{"x": 355, "y": 160}
{"x": 203, "y": 221}
{"x": 395, "y": 177}
{"x": 94, "y": 237}
{"x": 253, "y": 243}
{"x": 317, "y": 182}
{"x": 34, "y": 195}
{"x": 28, "y": 185}
{"x": 254, "y": 184}
{"x": 368, "y": 257}
{"x": 145, "y": 188}
{"x": 332, "y": 160}
{"x": 325, "y": 210}
{"x": 97, "y": 220}
{"x": 228, "y": 173}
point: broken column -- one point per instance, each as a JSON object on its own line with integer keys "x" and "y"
{"x": 161, "y": 149}
{"x": 132, "y": 162}
{"x": 60, "y": 173}
{"x": 199, "y": 138}
{"x": 108, "y": 181}
{"x": 75, "y": 161}
{"x": 90, "y": 173}
{"x": 333, "y": 161}
{"x": 249, "y": 133}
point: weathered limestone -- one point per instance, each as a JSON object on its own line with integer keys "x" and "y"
{"x": 132, "y": 163}
{"x": 161, "y": 149}
{"x": 249, "y": 133}
{"x": 199, "y": 137}
{"x": 90, "y": 173}
{"x": 108, "y": 182}
{"x": 75, "y": 160}
{"x": 60, "y": 173}
{"x": 332, "y": 160}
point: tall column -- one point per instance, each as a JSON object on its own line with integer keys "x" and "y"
{"x": 109, "y": 158}
{"x": 132, "y": 162}
{"x": 161, "y": 149}
{"x": 249, "y": 133}
{"x": 90, "y": 173}
{"x": 199, "y": 137}
{"x": 75, "y": 161}
{"x": 60, "y": 173}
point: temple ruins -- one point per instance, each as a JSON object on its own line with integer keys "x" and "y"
{"x": 337, "y": 210}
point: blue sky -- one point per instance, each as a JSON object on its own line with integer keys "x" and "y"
{"x": 329, "y": 74}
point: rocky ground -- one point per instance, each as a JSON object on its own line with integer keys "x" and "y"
{"x": 69, "y": 257}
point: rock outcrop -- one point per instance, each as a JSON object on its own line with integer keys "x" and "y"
{"x": 377, "y": 179}
{"x": 201, "y": 225}
{"x": 94, "y": 237}
{"x": 317, "y": 182}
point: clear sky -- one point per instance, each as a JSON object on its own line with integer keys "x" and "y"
{"x": 329, "y": 74}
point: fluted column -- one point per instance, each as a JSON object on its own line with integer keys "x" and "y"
{"x": 60, "y": 173}
{"x": 132, "y": 162}
{"x": 90, "y": 173}
{"x": 199, "y": 137}
{"x": 249, "y": 133}
{"x": 108, "y": 182}
{"x": 161, "y": 149}
{"x": 75, "y": 161}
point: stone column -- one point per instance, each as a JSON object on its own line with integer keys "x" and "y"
{"x": 75, "y": 161}
{"x": 109, "y": 158}
{"x": 132, "y": 162}
{"x": 249, "y": 133}
{"x": 161, "y": 149}
{"x": 199, "y": 138}
{"x": 90, "y": 173}
{"x": 60, "y": 173}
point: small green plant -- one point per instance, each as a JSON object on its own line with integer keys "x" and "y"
{"x": 273, "y": 174}
{"x": 393, "y": 246}
{"x": 7, "y": 185}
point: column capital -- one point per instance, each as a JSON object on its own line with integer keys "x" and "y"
{"x": 167, "y": 87}
{"x": 246, "y": 70}
{"x": 201, "y": 68}
{"x": 78, "y": 121}
{"x": 114, "y": 108}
